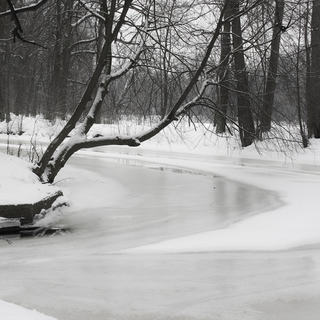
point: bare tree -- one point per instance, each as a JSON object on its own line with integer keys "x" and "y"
{"x": 107, "y": 72}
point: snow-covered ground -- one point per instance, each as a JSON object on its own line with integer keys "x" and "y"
{"x": 291, "y": 172}
{"x": 18, "y": 184}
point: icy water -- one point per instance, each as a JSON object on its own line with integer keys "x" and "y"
{"x": 82, "y": 275}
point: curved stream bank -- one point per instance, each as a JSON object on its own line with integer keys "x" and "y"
{"x": 160, "y": 204}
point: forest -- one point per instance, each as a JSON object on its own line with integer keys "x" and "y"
{"x": 159, "y": 159}
{"x": 247, "y": 66}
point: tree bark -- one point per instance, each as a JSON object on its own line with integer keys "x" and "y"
{"x": 246, "y": 124}
{"x": 62, "y": 58}
{"x": 313, "y": 121}
{"x": 4, "y": 107}
{"x": 268, "y": 100}
{"x": 223, "y": 74}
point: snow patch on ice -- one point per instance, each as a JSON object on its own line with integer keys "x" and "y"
{"x": 10, "y": 311}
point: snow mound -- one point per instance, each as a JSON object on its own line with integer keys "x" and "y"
{"x": 18, "y": 179}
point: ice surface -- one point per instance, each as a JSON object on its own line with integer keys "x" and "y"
{"x": 106, "y": 268}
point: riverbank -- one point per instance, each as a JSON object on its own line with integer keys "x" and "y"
{"x": 296, "y": 180}
{"x": 22, "y": 195}
{"x": 291, "y": 227}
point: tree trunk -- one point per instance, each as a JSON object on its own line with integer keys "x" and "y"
{"x": 313, "y": 109}
{"x": 308, "y": 63}
{"x": 246, "y": 124}
{"x": 62, "y": 58}
{"x": 3, "y": 6}
{"x": 4, "y": 104}
{"x": 268, "y": 100}
{"x": 223, "y": 74}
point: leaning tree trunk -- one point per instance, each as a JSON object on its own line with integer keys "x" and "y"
{"x": 246, "y": 124}
{"x": 268, "y": 100}
{"x": 58, "y": 152}
{"x": 313, "y": 108}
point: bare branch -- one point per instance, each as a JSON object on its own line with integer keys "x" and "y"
{"x": 78, "y": 22}
{"x": 33, "y": 7}
{"x": 14, "y": 17}
{"x": 94, "y": 13}
{"x": 16, "y": 33}
{"x": 122, "y": 18}
{"x": 173, "y": 113}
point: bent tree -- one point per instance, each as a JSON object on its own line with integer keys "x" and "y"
{"x": 130, "y": 41}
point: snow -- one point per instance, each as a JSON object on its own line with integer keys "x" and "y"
{"x": 294, "y": 175}
{"x": 17, "y": 179}
{"x": 10, "y": 311}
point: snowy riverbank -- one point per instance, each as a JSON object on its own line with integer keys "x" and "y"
{"x": 294, "y": 176}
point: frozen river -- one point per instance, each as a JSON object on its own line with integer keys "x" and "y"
{"x": 85, "y": 274}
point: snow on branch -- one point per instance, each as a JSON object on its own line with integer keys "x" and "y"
{"x": 110, "y": 140}
{"x": 78, "y": 22}
{"x": 105, "y": 81}
{"x": 59, "y": 160}
{"x": 196, "y": 99}
{"x": 175, "y": 116}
